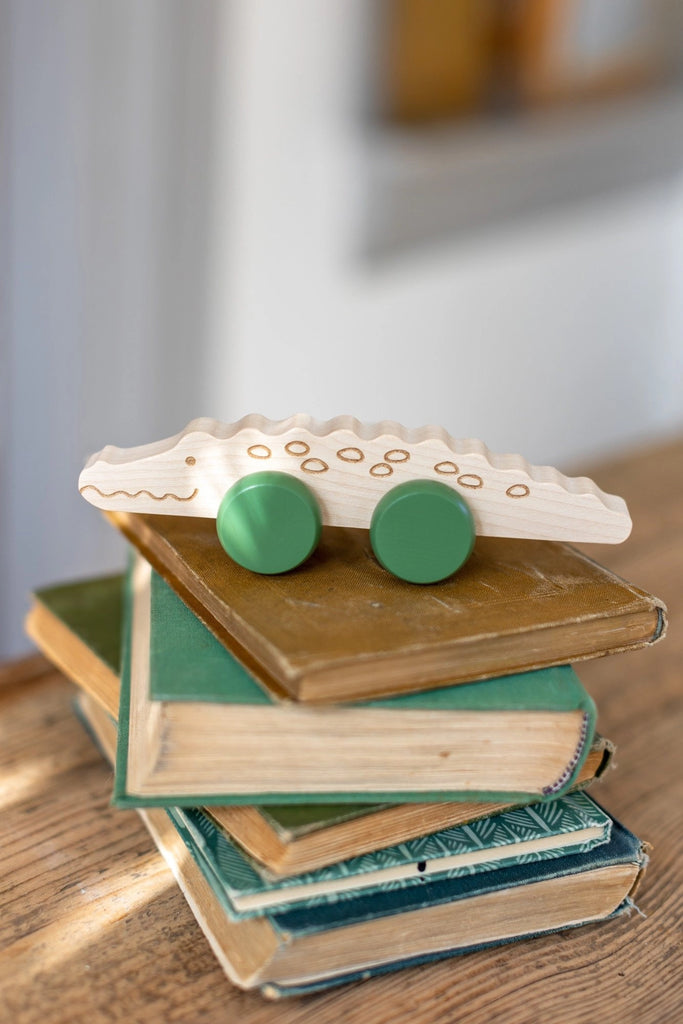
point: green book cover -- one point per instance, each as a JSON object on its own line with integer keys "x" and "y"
{"x": 570, "y": 824}
{"x": 91, "y": 611}
{"x": 177, "y": 643}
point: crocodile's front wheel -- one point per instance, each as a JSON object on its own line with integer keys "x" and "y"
{"x": 269, "y": 522}
{"x": 422, "y": 531}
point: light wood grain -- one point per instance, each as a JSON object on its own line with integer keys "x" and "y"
{"x": 93, "y": 928}
{"x": 349, "y": 466}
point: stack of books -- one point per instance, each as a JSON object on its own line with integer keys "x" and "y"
{"x": 348, "y": 773}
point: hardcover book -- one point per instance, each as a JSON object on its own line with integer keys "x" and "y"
{"x": 290, "y": 838}
{"x": 78, "y": 626}
{"x": 341, "y": 628}
{"x": 570, "y": 824}
{"x": 304, "y": 948}
{"x": 523, "y": 737}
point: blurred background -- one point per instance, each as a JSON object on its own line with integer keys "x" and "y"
{"x": 464, "y": 212}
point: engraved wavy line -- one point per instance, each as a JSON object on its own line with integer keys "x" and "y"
{"x": 127, "y": 494}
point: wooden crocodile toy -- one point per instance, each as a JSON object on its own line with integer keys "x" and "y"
{"x": 423, "y": 495}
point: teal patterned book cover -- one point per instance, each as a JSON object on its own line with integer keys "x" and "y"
{"x": 573, "y": 823}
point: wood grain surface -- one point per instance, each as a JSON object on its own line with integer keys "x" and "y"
{"x": 93, "y": 927}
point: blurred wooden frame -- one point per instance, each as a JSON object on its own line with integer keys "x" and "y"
{"x": 454, "y": 58}
{"x": 438, "y": 57}
{"x": 558, "y": 60}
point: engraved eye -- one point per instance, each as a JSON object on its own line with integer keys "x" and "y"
{"x": 190, "y": 460}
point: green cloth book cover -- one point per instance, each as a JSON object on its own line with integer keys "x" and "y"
{"x": 242, "y": 728}
{"x": 78, "y": 623}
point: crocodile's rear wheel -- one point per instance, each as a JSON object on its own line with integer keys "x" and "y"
{"x": 422, "y": 531}
{"x": 269, "y": 522}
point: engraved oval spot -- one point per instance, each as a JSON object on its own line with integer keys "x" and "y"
{"x": 350, "y": 455}
{"x": 396, "y": 455}
{"x": 190, "y": 460}
{"x": 470, "y": 480}
{"x": 446, "y": 468}
{"x": 259, "y": 451}
{"x": 297, "y": 448}
{"x": 314, "y": 466}
{"x": 517, "y": 491}
{"x": 381, "y": 469}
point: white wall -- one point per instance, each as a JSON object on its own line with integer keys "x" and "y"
{"x": 107, "y": 176}
{"x": 559, "y": 337}
{"x": 184, "y": 189}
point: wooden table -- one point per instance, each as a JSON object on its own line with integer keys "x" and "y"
{"x": 93, "y": 927}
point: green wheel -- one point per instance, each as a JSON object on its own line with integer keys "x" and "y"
{"x": 422, "y": 531}
{"x": 269, "y": 522}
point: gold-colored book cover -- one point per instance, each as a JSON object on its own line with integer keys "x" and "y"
{"x": 341, "y": 628}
